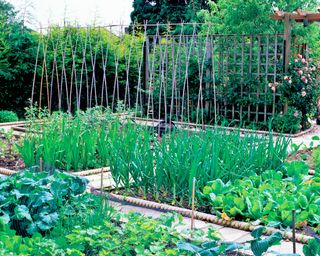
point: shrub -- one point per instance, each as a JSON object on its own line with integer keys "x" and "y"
{"x": 300, "y": 87}
{"x": 288, "y": 122}
{"x": 8, "y": 116}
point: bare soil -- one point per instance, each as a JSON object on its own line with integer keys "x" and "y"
{"x": 12, "y": 162}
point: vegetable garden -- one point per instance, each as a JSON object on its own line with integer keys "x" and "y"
{"x": 230, "y": 105}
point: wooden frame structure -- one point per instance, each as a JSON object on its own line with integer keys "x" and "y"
{"x": 297, "y": 16}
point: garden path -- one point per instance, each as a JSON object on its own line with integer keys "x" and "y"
{"x": 226, "y": 234}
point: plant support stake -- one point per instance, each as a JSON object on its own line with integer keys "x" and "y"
{"x": 101, "y": 188}
{"x": 193, "y": 194}
{"x": 40, "y": 164}
{"x": 293, "y": 232}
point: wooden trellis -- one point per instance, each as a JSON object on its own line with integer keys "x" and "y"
{"x": 176, "y": 74}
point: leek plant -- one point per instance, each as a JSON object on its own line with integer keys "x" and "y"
{"x": 156, "y": 167}
{"x": 167, "y": 167}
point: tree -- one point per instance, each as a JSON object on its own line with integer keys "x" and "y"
{"x": 250, "y": 16}
{"x": 17, "y": 55}
{"x": 166, "y": 11}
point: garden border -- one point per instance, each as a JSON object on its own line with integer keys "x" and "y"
{"x": 245, "y": 226}
{"x": 84, "y": 173}
{"x": 242, "y": 130}
{"x": 19, "y": 127}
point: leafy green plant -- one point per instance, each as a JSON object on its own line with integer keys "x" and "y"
{"x": 259, "y": 245}
{"x": 300, "y": 88}
{"x": 29, "y": 201}
{"x": 288, "y": 122}
{"x": 213, "y": 248}
{"x": 312, "y": 248}
{"x": 269, "y": 198}
{"x": 8, "y": 116}
{"x": 14, "y": 245}
{"x": 316, "y": 157}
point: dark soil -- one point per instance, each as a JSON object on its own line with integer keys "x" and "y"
{"x": 303, "y": 155}
{"x": 12, "y": 162}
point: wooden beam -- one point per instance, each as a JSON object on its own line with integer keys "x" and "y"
{"x": 298, "y": 17}
{"x": 287, "y": 38}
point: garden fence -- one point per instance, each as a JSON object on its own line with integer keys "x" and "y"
{"x": 177, "y": 72}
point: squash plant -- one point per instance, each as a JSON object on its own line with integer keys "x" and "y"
{"x": 29, "y": 200}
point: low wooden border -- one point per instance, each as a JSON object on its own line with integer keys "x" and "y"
{"x": 200, "y": 126}
{"x": 85, "y": 173}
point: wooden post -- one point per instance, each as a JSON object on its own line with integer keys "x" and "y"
{"x": 101, "y": 189}
{"x": 208, "y": 74}
{"x": 287, "y": 38}
{"x": 145, "y": 70}
{"x": 40, "y": 165}
{"x": 294, "y": 249}
{"x": 192, "y": 206}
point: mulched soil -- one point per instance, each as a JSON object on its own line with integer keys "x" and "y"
{"x": 12, "y": 162}
{"x": 303, "y": 155}
{"x": 7, "y": 160}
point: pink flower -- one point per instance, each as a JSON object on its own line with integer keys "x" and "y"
{"x": 295, "y": 60}
{"x": 303, "y": 60}
{"x": 290, "y": 81}
{"x": 286, "y": 78}
{"x": 308, "y": 75}
{"x": 303, "y": 93}
{"x": 295, "y": 114}
{"x": 273, "y": 88}
{"x": 270, "y": 84}
{"x": 299, "y": 56}
{"x": 300, "y": 72}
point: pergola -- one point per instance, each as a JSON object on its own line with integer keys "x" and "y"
{"x": 288, "y": 17}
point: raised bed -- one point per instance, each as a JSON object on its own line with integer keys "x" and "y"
{"x": 196, "y": 127}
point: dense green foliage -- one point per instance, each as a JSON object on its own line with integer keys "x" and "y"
{"x": 300, "y": 87}
{"x": 8, "y": 116}
{"x": 79, "y": 225}
{"x": 254, "y": 17}
{"x": 158, "y": 11}
{"x": 269, "y": 198}
{"x": 287, "y": 122}
{"x": 133, "y": 152}
{"x": 30, "y": 200}
{"x": 18, "y": 47}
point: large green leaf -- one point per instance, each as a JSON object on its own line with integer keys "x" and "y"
{"x": 21, "y": 212}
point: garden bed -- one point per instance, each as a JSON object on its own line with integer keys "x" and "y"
{"x": 197, "y": 127}
{"x": 187, "y": 212}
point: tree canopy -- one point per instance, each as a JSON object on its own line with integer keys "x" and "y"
{"x": 166, "y": 11}
{"x": 17, "y": 56}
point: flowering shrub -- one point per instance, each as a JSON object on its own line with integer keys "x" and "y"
{"x": 289, "y": 122}
{"x": 300, "y": 87}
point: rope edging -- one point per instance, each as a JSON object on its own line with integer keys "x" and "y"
{"x": 245, "y": 226}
